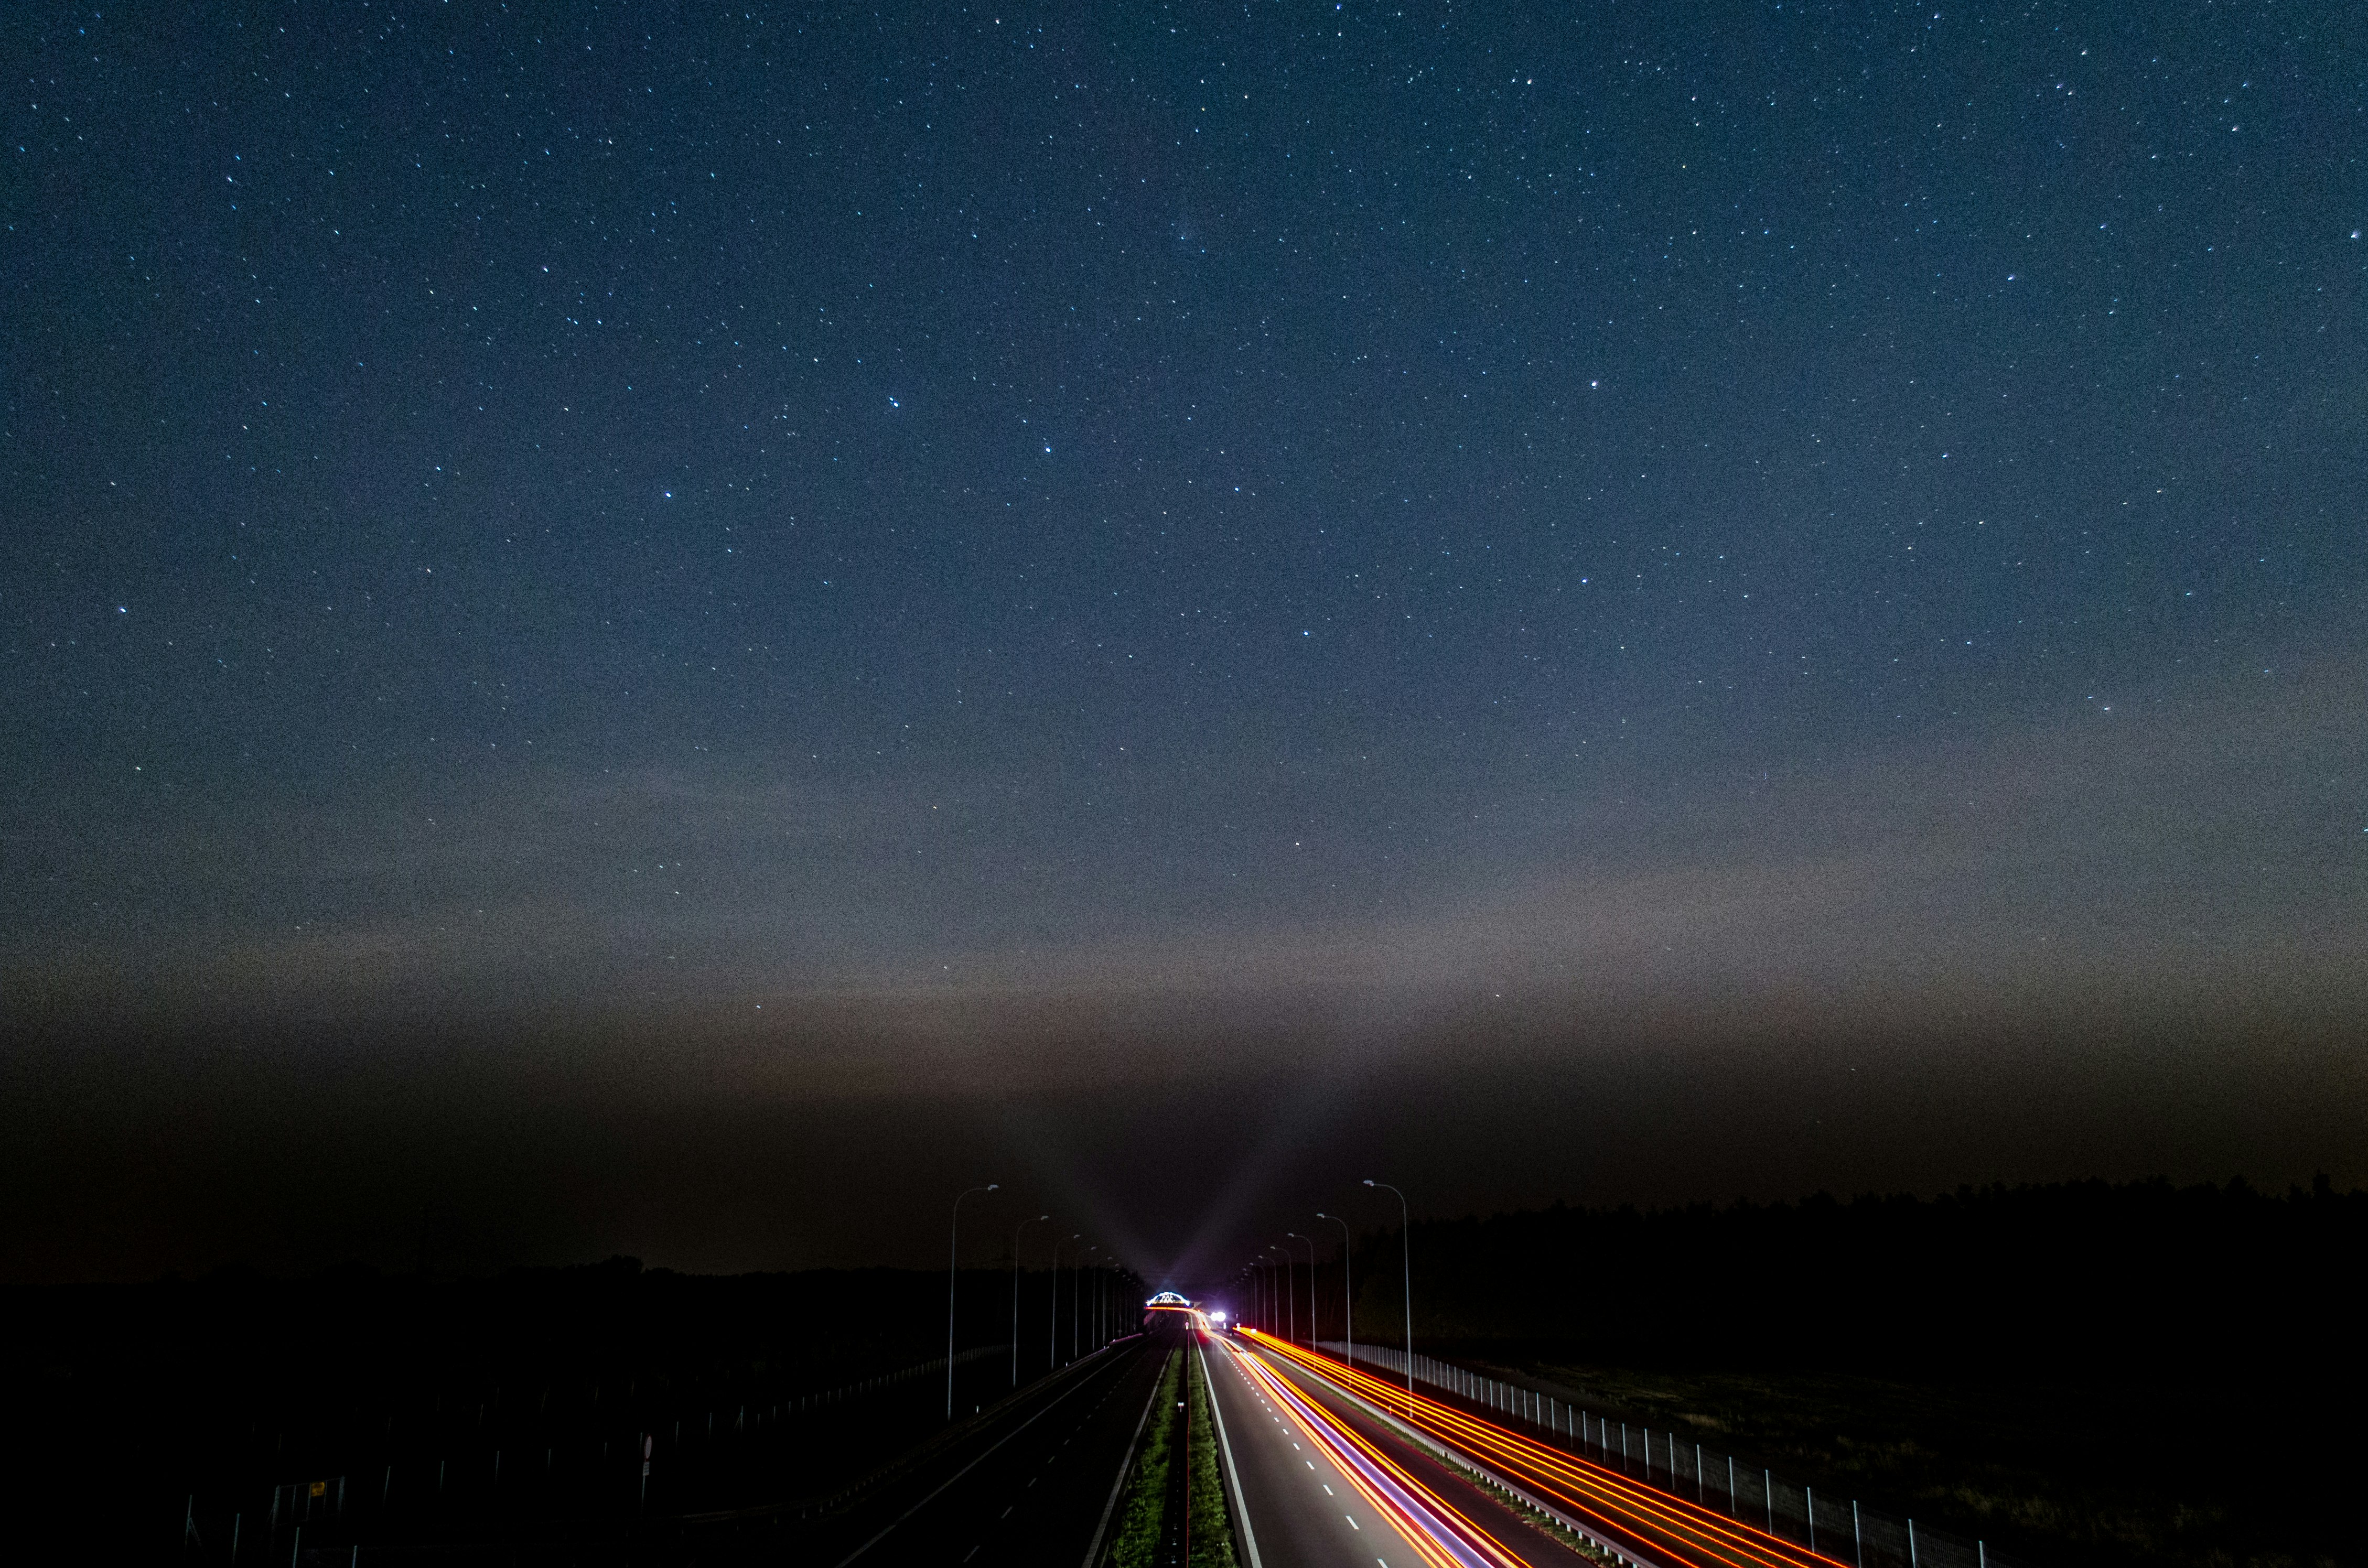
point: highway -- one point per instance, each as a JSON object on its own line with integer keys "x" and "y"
{"x": 1027, "y": 1484}
{"x": 1326, "y": 1466}
{"x": 1325, "y": 1486}
{"x": 1642, "y": 1523}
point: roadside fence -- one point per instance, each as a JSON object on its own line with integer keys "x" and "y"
{"x": 544, "y": 1465}
{"x": 1841, "y": 1528}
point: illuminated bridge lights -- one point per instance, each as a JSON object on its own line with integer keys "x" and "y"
{"x": 1686, "y": 1532}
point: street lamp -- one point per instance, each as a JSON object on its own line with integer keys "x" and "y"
{"x": 1348, "y": 1297}
{"x": 1053, "y": 1308}
{"x": 1311, "y": 1287}
{"x": 1405, "y": 1239}
{"x": 1015, "y": 1296}
{"x": 1290, "y": 1296}
{"x": 953, "y": 1253}
{"x": 1076, "y": 1283}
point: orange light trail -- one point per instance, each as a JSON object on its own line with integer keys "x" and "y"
{"x": 1447, "y": 1540}
{"x": 1656, "y": 1520}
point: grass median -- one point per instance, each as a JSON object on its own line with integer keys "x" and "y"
{"x": 1210, "y": 1536}
{"x": 1144, "y": 1509}
{"x": 1176, "y": 1493}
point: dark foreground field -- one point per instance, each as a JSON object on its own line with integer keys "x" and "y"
{"x": 2138, "y": 1377}
{"x": 602, "y": 1414}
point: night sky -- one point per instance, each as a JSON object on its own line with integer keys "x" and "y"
{"x": 645, "y": 627}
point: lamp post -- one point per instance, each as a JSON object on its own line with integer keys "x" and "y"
{"x": 1053, "y": 1308}
{"x": 1015, "y": 1296}
{"x": 1076, "y": 1282}
{"x": 1406, "y": 1238}
{"x": 1290, "y": 1296}
{"x": 1311, "y": 1285}
{"x": 1348, "y": 1297}
{"x": 954, "y": 1255}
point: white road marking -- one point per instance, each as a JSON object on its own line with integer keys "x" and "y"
{"x": 1233, "y": 1476}
{"x": 1353, "y": 1524}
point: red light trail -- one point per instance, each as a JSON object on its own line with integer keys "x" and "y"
{"x": 1657, "y": 1523}
{"x": 1438, "y": 1533}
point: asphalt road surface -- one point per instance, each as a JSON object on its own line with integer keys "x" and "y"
{"x": 1031, "y": 1483}
{"x": 1325, "y": 1486}
{"x": 1639, "y": 1520}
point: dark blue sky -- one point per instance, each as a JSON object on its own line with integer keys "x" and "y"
{"x": 630, "y": 516}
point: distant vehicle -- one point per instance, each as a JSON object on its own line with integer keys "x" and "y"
{"x": 1217, "y": 1316}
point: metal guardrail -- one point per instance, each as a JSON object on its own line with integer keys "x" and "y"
{"x": 1843, "y": 1529}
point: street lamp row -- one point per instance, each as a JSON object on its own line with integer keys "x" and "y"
{"x": 1052, "y": 1348}
{"x": 1290, "y": 1299}
{"x": 1264, "y": 1305}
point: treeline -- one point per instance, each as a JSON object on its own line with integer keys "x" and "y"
{"x": 2132, "y": 1277}
{"x": 351, "y": 1328}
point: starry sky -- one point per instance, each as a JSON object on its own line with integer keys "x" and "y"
{"x": 621, "y": 603}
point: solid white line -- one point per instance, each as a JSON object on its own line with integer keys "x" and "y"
{"x": 1241, "y": 1509}
{"x": 966, "y": 1469}
{"x": 1623, "y": 1549}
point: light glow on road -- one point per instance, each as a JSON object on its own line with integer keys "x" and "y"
{"x": 1656, "y": 1520}
{"x": 1437, "y": 1533}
